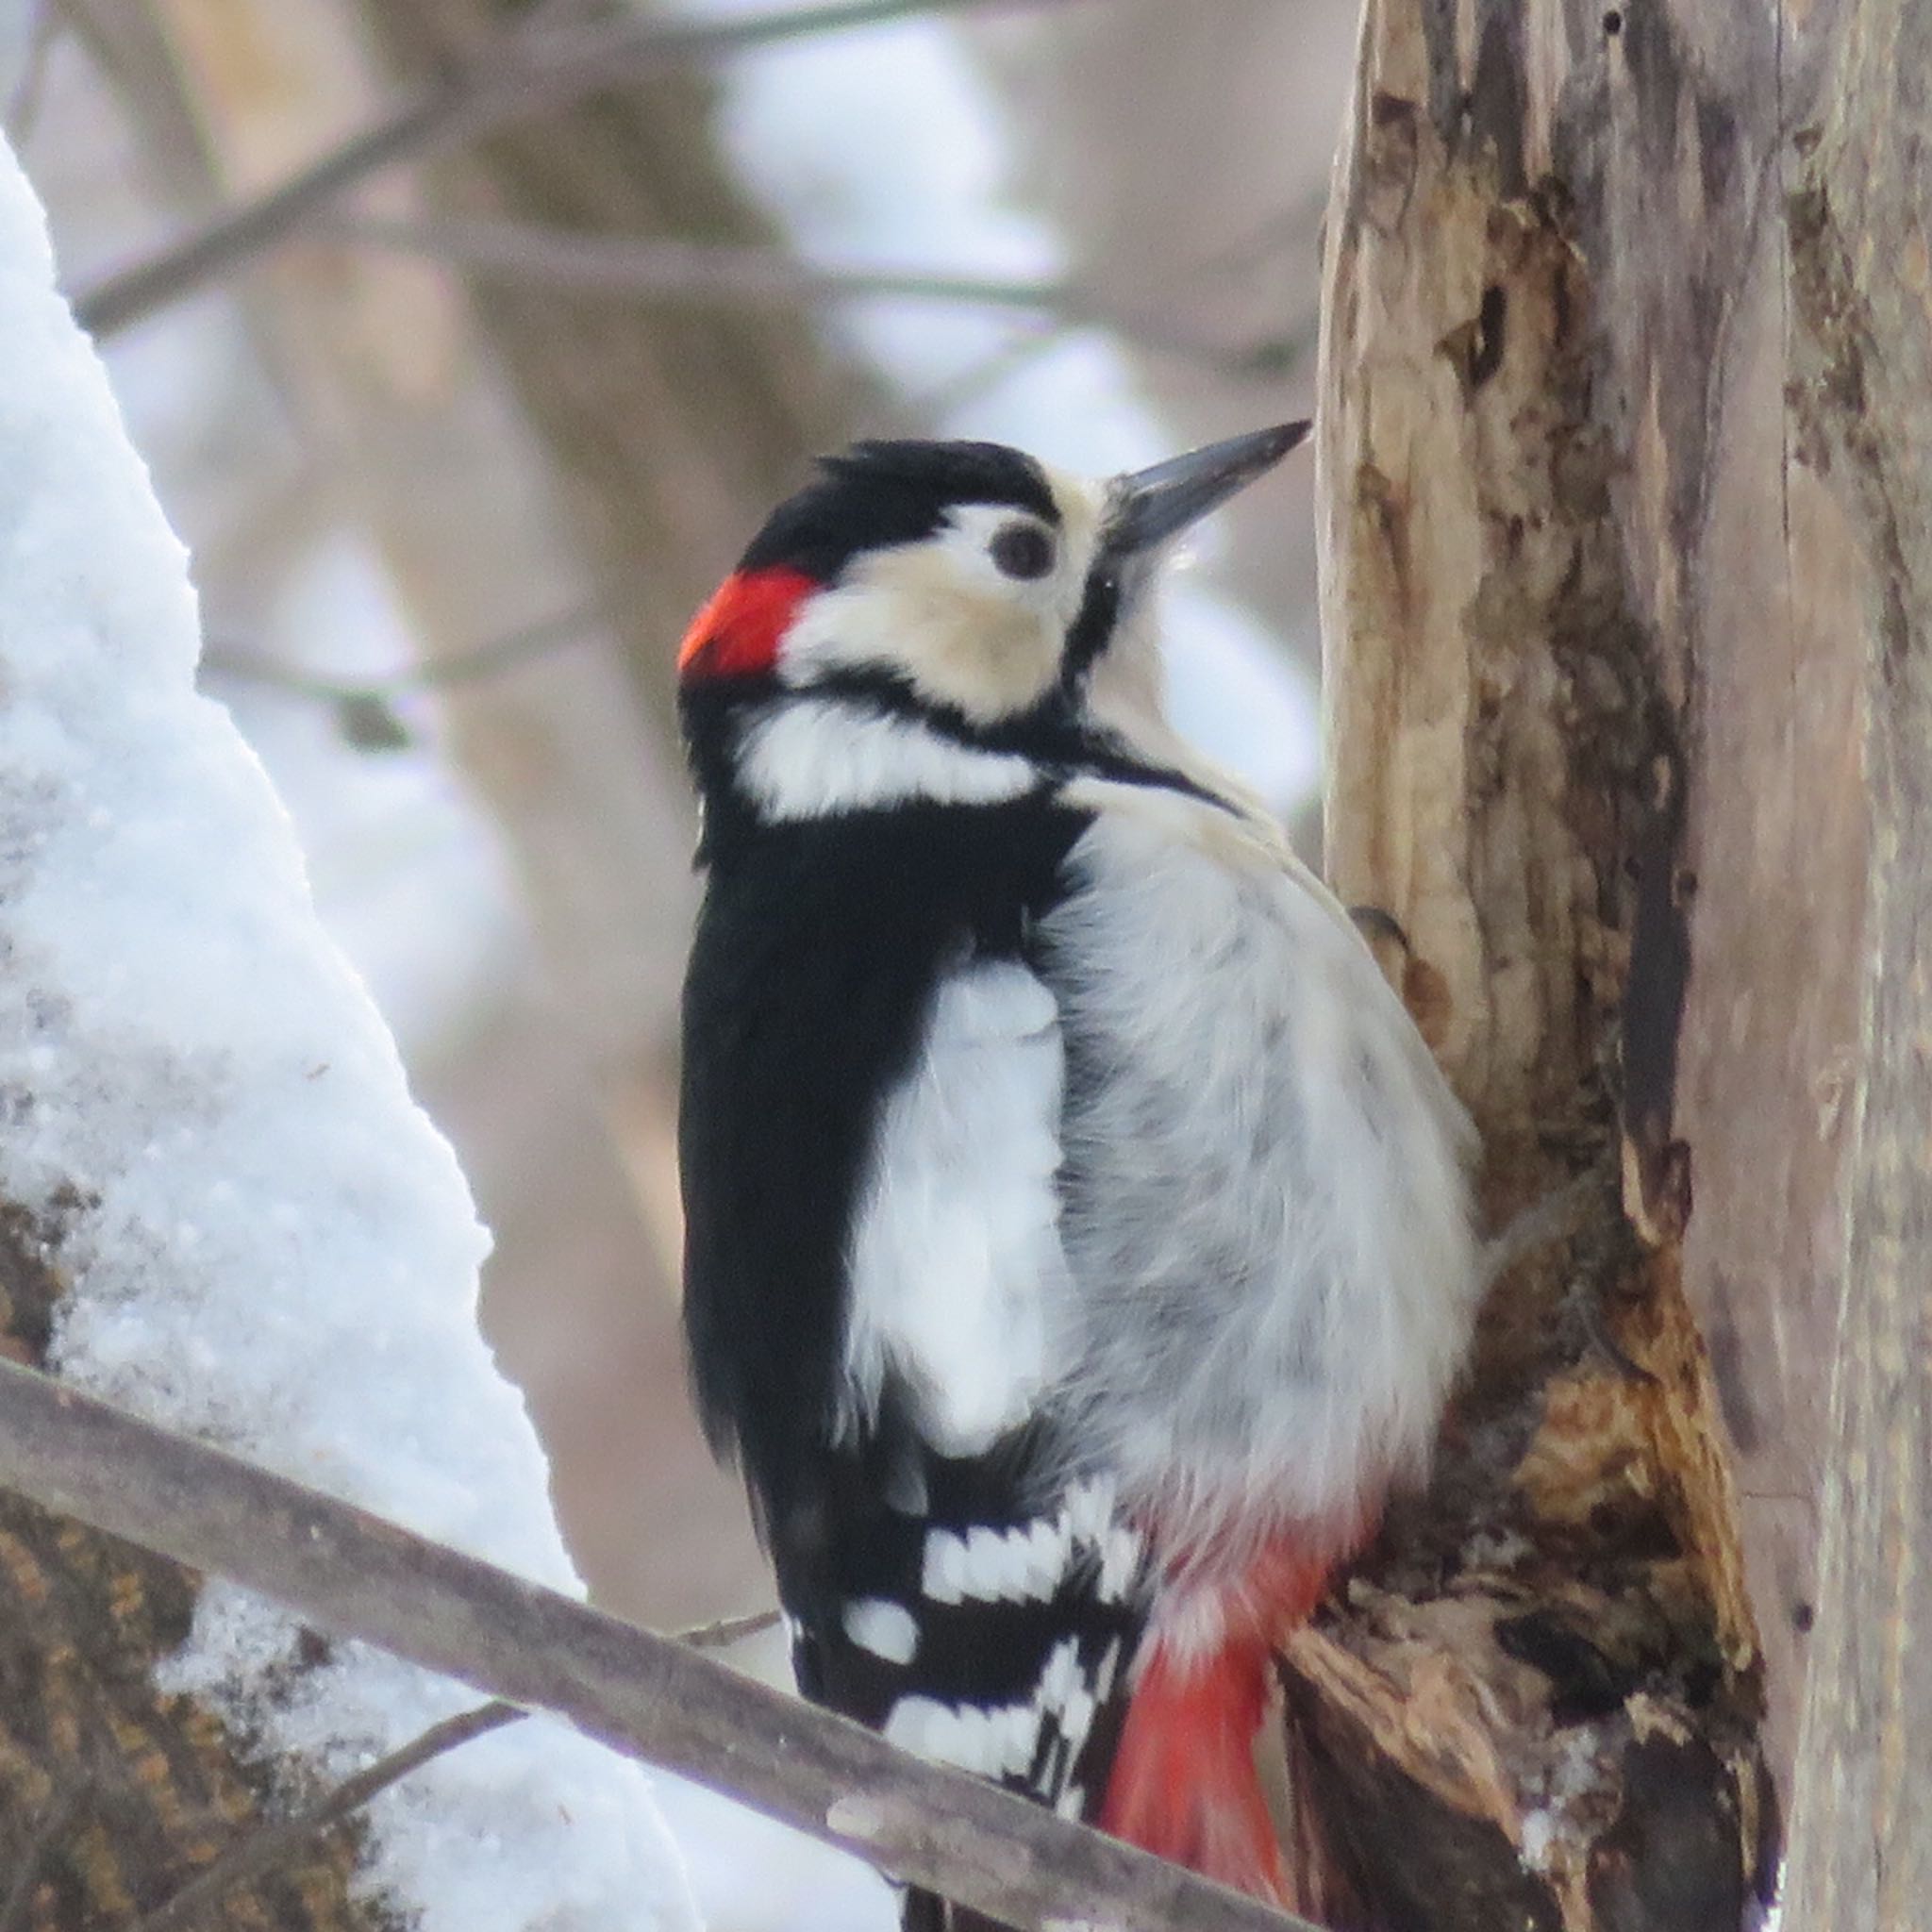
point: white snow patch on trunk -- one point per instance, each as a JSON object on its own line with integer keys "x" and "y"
{"x": 267, "y": 1243}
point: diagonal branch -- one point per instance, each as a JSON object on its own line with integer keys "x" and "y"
{"x": 509, "y": 652}
{"x": 534, "y": 71}
{"x": 355, "y": 1575}
{"x": 265, "y": 1850}
{"x": 664, "y": 265}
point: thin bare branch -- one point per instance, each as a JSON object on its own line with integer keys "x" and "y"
{"x": 357, "y": 1576}
{"x": 514, "y": 648}
{"x": 270, "y": 1846}
{"x": 726, "y": 1631}
{"x": 667, "y": 267}
{"x": 953, "y": 394}
{"x": 532, "y": 73}
{"x": 16, "y": 1914}
{"x": 1272, "y": 360}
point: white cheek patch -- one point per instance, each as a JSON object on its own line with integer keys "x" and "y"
{"x": 939, "y": 616}
{"x": 943, "y": 616}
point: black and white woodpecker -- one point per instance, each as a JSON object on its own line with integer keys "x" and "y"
{"x": 1079, "y": 1240}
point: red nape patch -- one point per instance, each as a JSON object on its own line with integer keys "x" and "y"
{"x": 738, "y": 632}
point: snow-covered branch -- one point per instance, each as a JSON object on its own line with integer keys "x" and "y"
{"x": 353, "y": 1576}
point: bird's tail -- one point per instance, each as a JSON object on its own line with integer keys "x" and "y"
{"x": 1184, "y": 1782}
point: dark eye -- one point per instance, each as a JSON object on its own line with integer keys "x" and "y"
{"x": 1023, "y": 550}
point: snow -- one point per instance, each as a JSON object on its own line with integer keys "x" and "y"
{"x": 266, "y": 1242}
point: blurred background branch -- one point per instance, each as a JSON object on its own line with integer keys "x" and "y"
{"x": 535, "y": 71}
{"x": 668, "y": 269}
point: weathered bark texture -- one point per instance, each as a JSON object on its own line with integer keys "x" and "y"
{"x": 113, "y": 1795}
{"x": 1624, "y": 501}
{"x": 1861, "y": 286}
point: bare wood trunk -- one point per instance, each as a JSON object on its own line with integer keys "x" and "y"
{"x": 1861, "y": 412}
{"x": 1624, "y": 546}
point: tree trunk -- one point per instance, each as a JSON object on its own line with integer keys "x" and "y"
{"x": 1625, "y": 578}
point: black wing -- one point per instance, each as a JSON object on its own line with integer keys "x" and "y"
{"x": 983, "y": 1610}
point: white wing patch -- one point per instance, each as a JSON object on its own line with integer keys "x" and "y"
{"x": 999, "y": 1740}
{"x": 995, "y": 1741}
{"x": 807, "y": 757}
{"x": 885, "y": 1628}
{"x": 1013, "y": 1566}
{"x": 957, "y": 1276}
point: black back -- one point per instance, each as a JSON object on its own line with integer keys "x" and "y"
{"x": 818, "y": 951}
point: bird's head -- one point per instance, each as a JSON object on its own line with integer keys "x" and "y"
{"x": 960, "y": 589}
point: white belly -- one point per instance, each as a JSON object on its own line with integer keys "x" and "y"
{"x": 1267, "y": 1219}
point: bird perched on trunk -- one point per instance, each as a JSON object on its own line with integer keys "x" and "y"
{"x": 1077, "y": 1240}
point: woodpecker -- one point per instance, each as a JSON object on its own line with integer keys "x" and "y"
{"x": 1079, "y": 1240}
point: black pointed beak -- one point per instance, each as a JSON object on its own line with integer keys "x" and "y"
{"x": 1152, "y": 504}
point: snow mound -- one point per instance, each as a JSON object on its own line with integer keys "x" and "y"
{"x": 267, "y": 1243}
